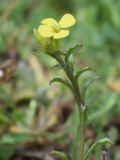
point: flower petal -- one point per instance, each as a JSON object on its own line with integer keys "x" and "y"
{"x": 41, "y": 40}
{"x": 45, "y": 31}
{"x": 61, "y": 34}
{"x": 50, "y": 22}
{"x": 67, "y": 20}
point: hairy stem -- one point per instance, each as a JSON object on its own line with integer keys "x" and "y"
{"x": 82, "y": 136}
{"x": 80, "y": 105}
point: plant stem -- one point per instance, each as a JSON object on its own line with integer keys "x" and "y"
{"x": 82, "y": 135}
{"x": 80, "y": 104}
{"x": 70, "y": 76}
{"x": 82, "y": 116}
{"x": 82, "y": 112}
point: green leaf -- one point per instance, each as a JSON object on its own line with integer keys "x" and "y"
{"x": 3, "y": 118}
{"x": 96, "y": 144}
{"x": 85, "y": 88}
{"x": 65, "y": 82}
{"x": 13, "y": 138}
{"x": 73, "y": 50}
{"x": 57, "y": 67}
{"x": 6, "y": 151}
{"x": 60, "y": 155}
{"x": 61, "y": 53}
{"x": 82, "y": 71}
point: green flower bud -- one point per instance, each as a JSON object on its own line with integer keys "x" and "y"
{"x": 47, "y": 45}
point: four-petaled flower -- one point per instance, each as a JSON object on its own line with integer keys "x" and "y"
{"x": 51, "y": 28}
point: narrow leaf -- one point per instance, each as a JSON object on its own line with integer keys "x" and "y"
{"x": 96, "y": 144}
{"x": 65, "y": 82}
{"x": 82, "y": 71}
{"x": 60, "y": 53}
{"x": 85, "y": 88}
{"x": 13, "y": 138}
{"x": 57, "y": 67}
{"x": 73, "y": 50}
{"x": 59, "y": 155}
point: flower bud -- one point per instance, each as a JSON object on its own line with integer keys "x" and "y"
{"x": 48, "y": 45}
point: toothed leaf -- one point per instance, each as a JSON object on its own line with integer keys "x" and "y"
{"x": 65, "y": 82}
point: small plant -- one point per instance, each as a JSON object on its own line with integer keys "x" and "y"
{"x": 48, "y": 36}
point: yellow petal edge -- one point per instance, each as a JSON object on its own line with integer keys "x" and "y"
{"x": 67, "y": 21}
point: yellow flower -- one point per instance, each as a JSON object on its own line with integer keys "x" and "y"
{"x": 51, "y": 28}
{"x": 45, "y": 43}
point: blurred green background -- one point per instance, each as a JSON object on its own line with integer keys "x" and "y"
{"x": 32, "y": 113}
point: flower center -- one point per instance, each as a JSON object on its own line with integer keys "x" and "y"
{"x": 56, "y": 28}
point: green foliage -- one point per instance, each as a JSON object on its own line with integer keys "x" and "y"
{"x": 57, "y": 67}
{"x": 85, "y": 88}
{"x": 65, "y": 82}
{"x": 81, "y": 71}
{"x": 6, "y": 151}
{"x": 97, "y": 28}
{"x": 15, "y": 138}
{"x": 59, "y": 155}
{"x": 74, "y": 50}
{"x": 99, "y": 142}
